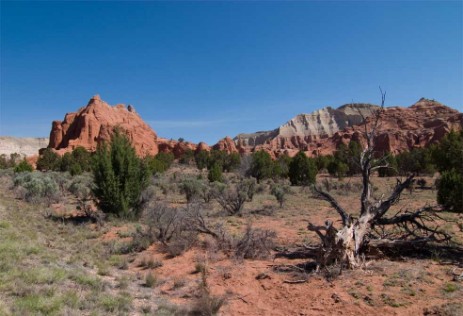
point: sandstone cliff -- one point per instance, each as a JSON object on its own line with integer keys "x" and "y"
{"x": 320, "y": 132}
{"x": 306, "y": 128}
{"x": 402, "y": 129}
{"x": 95, "y": 123}
{"x": 25, "y": 146}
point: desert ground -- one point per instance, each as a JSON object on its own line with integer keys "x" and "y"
{"x": 53, "y": 265}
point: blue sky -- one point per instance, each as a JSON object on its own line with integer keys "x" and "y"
{"x": 204, "y": 70}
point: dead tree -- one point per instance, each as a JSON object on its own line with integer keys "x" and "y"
{"x": 345, "y": 245}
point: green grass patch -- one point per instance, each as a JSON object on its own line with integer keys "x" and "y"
{"x": 119, "y": 303}
{"x": 86, "y": 280}
{"x": 36, "y": 304}
{"x": 450, "y": 287}
{"x": 43, "y": 275}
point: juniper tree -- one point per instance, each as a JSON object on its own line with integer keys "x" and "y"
{"x": 120, "y": 177}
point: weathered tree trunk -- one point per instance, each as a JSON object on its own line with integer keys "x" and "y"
{"x": 345, "y": 246}
{"x": 342, "y": 246}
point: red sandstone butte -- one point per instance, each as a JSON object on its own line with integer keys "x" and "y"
{"x": 95, "y": 123}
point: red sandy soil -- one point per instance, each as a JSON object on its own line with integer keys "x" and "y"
{"x": 405, "y": 286}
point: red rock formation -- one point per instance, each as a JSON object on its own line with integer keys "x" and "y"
{"x": 401, "y": 129}
{"x": 175, "y": 147}
{"x": 95, "y": 123}
{"x": 202, "y": 146}
{"x": 319, "y": 133}
{"x": 226, "y": 144}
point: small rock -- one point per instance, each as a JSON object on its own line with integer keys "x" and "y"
{"x": 262, "y": 276}
{"x": 336, "y": 298}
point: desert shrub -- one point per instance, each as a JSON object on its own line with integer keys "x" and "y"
{"x": 279, "y": 192}
{"x": 191, "y": 188}
{"x": 450, "y": 191}
{"x": 233, "y": 197}
{"x": 187, "y": 157}
{"x": 23, "y": 166}
{"x": 349, "y": 156}
{"x": 215, "y": 173}
{"x": 6, "y": 163}
{"x": 169, "y": 226}
{"x": 245, "y": 165}
{"x": 302, "y": 170}
{"x": 391, "y": 170}
{"x": 6, "y": 177}
{"x": 337, "y": 169}
{"x": 82, "y": 186}
{"x": 322, "y": 162}
{"x": 202, "y": 159}
{"x": 150, "y": 280}
{"x": 206, "y": 305}
{"x": 249, "y": 186}
{"x": 418, "y": 161}
{"x": 216, "y": 157}
{"x": 344, "y": 187}
{"x": 231, "y": 162}
{"x": 206, "y": 193}
{"x": 77, "y": 161}
{"x": 140, "y": 240}
{"x": 281, "y": 167}
{"x": 255, "y": 243}
{"x": 227, "y": 161}
{"x": 354, "y": 150}
{"x": 448, "y": 154}
{"x": 49, "y": 160}
{"x": 120, "y": 177}
{"x": 261, "y": 166}
{"x": 180, "y": 244}
{"x": 37, "y": 187}
{"x": 448, "y": 157}
{"x": 150, "y": 263}
{"x": 164, "y": 222}
{"x": 195, "y": 189}
{"x": 62, "y": 179}
{"x": 159, "y": 163}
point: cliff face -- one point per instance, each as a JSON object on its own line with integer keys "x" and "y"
{"x": 95, "y": 123}
{"x": 320, "y": 132}
{"x": 402, "y": 129}
{"x": 25, "y": 146}
{"x": 307, "y": 128}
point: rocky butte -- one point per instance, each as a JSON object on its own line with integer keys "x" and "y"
{"x": 322, "y": 131}
{"x": 95, "y": 123}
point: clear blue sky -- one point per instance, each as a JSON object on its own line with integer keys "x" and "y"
{"x": 204, "y": 70}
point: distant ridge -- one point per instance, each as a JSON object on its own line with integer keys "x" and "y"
{"x": 317, "y": 133}
{"x": 318, "y": 124}
{"x": 25, "y": 146}
{"x": 322, "y": 131}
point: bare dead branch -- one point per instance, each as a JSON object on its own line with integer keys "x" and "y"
{"x": 394, "y": 197}
{"x": 295, "y": 281}
{"x": 327, "y": 197}
{"x": 416, "y": 224}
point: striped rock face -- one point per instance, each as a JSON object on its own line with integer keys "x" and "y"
{"x": 25, "y": 146}
{"x": 322, "y": 131}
